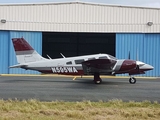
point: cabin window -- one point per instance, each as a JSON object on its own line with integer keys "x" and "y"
{"x": 91, "y": 58}
{"x": 79, "y": 61}
{"x": 103, "y": 57}
{"x": 69, "y": 63}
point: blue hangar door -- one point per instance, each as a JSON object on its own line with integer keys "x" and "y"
{"x": 4, "y": 51}
{"x": 144, "y": 45}
{"x": 7, "y": 53}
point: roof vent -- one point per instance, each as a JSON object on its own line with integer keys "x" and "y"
{"x": 150, "y": 23}
{"x": 3, "y": 20}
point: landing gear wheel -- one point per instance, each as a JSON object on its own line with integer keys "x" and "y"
{"x": 132, "y": 80}
{"x": 97, "y": 79}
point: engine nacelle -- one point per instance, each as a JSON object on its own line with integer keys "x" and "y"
{"x": 125, "y": 65}
{"x": 128, "y": 65}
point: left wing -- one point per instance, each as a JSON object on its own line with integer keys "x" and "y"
{"x": 103, "y": 66}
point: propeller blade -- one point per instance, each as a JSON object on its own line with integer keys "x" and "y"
{"x": 137, "y": 67}
{"x": 129, "y": 56}
{"x": 137, "y": 56}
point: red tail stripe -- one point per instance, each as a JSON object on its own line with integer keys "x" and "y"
{"x": 20, "y": 44}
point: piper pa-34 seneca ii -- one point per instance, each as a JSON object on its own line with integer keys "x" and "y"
{"x": 96, "y": 65}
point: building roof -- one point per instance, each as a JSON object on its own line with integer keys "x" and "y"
{"x": 87, "y": 3}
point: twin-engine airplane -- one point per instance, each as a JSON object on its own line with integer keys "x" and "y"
{"x": 97, "y": 64}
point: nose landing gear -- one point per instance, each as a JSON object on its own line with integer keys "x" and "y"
{"x": 132, "y": 80}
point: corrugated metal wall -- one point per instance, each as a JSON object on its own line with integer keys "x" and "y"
{"x": 152, "y": 52}
{"x": 4, "y": 36}
{"x": 7, "y": 53}
{"x": 79, "y": 17}
{"x": 145, "y": 46}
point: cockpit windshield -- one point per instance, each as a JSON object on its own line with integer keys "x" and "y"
{"x": 112, "y": 57}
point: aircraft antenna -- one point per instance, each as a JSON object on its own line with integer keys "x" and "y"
{"x": 62, "y": 55}
{"x": 49, "y": 57}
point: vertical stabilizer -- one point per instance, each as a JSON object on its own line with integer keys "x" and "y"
{"x": 24, "y": 52}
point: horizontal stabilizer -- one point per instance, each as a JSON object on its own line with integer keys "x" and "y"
{"x": 18, "y": 66}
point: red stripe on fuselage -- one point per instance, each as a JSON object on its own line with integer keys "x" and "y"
{"x": 80, "y": 72}
{"x": 20, "y": 44}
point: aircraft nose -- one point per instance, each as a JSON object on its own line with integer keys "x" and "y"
{"x": 147, "y": 67}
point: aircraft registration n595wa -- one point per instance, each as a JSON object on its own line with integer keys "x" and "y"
{"x": 96, "y": 65}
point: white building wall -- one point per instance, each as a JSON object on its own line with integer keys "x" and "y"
{"x": 79, "y": 17}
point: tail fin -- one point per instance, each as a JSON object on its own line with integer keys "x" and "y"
{"x": 24, "y": 52}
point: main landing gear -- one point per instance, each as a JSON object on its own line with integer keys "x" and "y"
{"x": 97, "y": 79}
{"x": 132, "y": 80}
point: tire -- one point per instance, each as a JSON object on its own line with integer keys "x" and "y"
{"x": 132, "y": 80}
{"x": 98, "y": 81}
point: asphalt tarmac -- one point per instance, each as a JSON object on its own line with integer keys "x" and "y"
{"x": 67, "y": 89}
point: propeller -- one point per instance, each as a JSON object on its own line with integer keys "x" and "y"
{"x": 129, "y": 56}
{"x": 137, "y": 60}
{"x": 137, "y": 55}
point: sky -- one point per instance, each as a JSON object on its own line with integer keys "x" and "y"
{"x": 143, "y": 3}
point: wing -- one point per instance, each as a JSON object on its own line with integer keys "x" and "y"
{"x": 102, "y": 66}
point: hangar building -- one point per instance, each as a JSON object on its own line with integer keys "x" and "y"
{"x": 77, "y": 28}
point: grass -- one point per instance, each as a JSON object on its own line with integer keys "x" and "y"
{"x": 85, "y": 110}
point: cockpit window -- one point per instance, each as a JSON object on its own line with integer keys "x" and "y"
{"x": 69, "y": 63}
{"x": 79, "y": 61}
{"x": 112, "y": 57}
